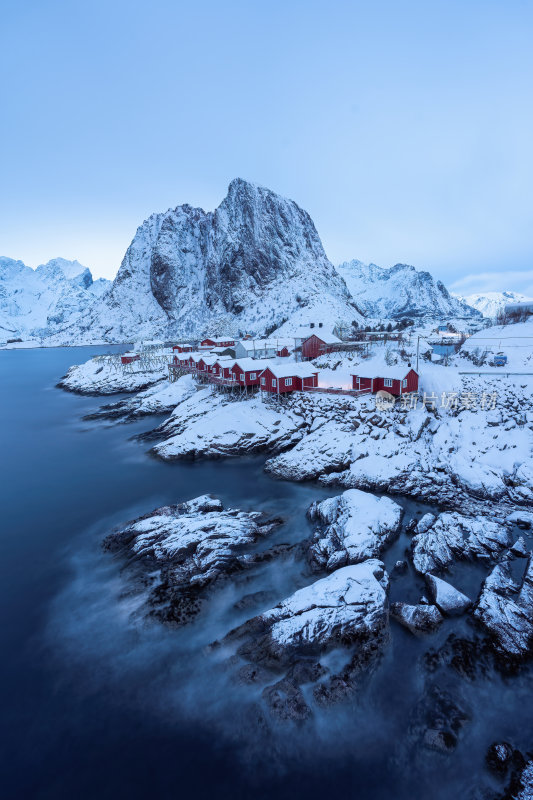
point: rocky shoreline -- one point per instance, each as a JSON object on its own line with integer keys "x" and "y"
{"x": 475, "y": 472}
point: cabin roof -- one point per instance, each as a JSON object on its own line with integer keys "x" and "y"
{"x": 253, "y": 364}
{"x": 292, "y": 370}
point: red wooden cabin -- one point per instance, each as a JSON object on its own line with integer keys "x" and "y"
{"x": 209, "y": 342}
{"x": 283, "y": 352}
{"x": 182, "y": 348}
{"x": 316, "y": 346}
{"x": 129, "y": 358}
{"x": 284, "y": 378}
{"x": 248, "y": 371}
{"x": 396, "y": 380}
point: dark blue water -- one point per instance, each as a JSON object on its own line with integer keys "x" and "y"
{"x": 94, "y": 705}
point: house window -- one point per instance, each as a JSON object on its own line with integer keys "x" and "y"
{"x": 274, "y": 382}
{"x": 404, "y": 383}
{"x": 263, "y": 381}
{"x": 253, "y": 376}
{"x": 241, "y": 376}
{"x": 387, "y": 382}
{"x": 288, "y": 381}
{"x": 358, "y": 381}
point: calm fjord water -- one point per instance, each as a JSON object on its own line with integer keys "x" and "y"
{"x": 94, "y": 706}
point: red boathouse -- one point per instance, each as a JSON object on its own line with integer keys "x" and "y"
{"x": 248, "y": 371}
{"x": 284, "y": 378}
{"x": 129, "y": 358}
{"x": 215, "y": 342}
{"x": 396, "y": 380}
{"x": 316, "y": 346}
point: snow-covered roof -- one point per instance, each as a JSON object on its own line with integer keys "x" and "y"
{"x": 377, "y": 367}
{"x": 253, "y": 364}
{"x": 218, "y": 350}
{"x": 288, "y": 370}
{"x": 210, "y": 360}
{"x": 262, "y": 344}
{"x": 324, "y": 336}
{"x": 218, "y": 339}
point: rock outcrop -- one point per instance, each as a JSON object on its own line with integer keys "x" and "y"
{"x": 505, "y": 609}
{"x": 182, "y": 550}
{"x": 354, "y": 526}
{"x": 440, "y": 540}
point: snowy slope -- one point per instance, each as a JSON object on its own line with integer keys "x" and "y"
{"x": 491, "y": 303}
{"x": 42, "y": 301}
{"x": 515, "y": 341}
{"x": 401, "y": 291}
{"x": 254, "y": 261}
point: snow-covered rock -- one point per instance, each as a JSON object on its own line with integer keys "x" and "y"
{"x": 254, "y": 261}
{"x": 157, "y": 399}
{"x": 446, "y": 597}
{"x": 347, "y": 607}
{"x": 401, "y": 291}
{"x": 40, "y": 302}
{"x": 185, "y": 548}
{"x": 210, "y": 424}
{"x": 525, "y": 791}
{"x": 103, "y": 375}
{"x": 450, "y": 536}
{"x": 505, "y": 609}
{"x": 421, "y": 618}
{"x": 354, "y": 526}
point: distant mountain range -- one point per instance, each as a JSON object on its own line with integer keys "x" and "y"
{"x": 491, "y": 303}
{"x": 400, "y": 291}
{"x": 40, "y": 302}
{"x": 250, "y": 266}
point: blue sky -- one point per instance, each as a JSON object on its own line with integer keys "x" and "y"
{"x": 404, "y": 128}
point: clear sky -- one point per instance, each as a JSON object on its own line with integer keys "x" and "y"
{"x": 404, "y": 128}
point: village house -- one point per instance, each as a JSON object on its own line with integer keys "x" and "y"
{"x": 129, "y": 358}
{"x": 284, "y": 378}
{"x": 261, "y": 348}
{"x": 182, "y": 348}
{"x": 247, "y": 371}
{"x": 186, "y": 359}
{"x": 217, "y": 341}
{"x": 397, "y": 379}
{"x": 318, "y": 344}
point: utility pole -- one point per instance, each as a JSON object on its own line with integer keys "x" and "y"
{"x": 417, "y": 352}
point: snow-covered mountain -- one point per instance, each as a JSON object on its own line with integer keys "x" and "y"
{"x": 42, "y": 301}
{"x": 491, "y": 303}
{"x": 247, "y": 266}
{"x": 400, "y": 291}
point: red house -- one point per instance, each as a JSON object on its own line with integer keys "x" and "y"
{"x": 283, "y": 352}
{"x": 316, "y": 346}
{"x": 217, "y": 342}
{"x": 248, "y": 371}
{"x": 129, "y": 358}
{"x": 284, "y": 378}
{"x": 182, "y": 348}
{"x": 396, "y": 380}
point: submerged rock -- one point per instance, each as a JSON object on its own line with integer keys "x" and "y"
{"x": 358, "y": 526}
{"x": 505, "y": 609}
{"x": 348, "y": 607}
{"x": 446, "y": 597}
{"x": 417, "y": 618}
{"x": 440, "y": 540}
{"x": 185, "y": 548}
